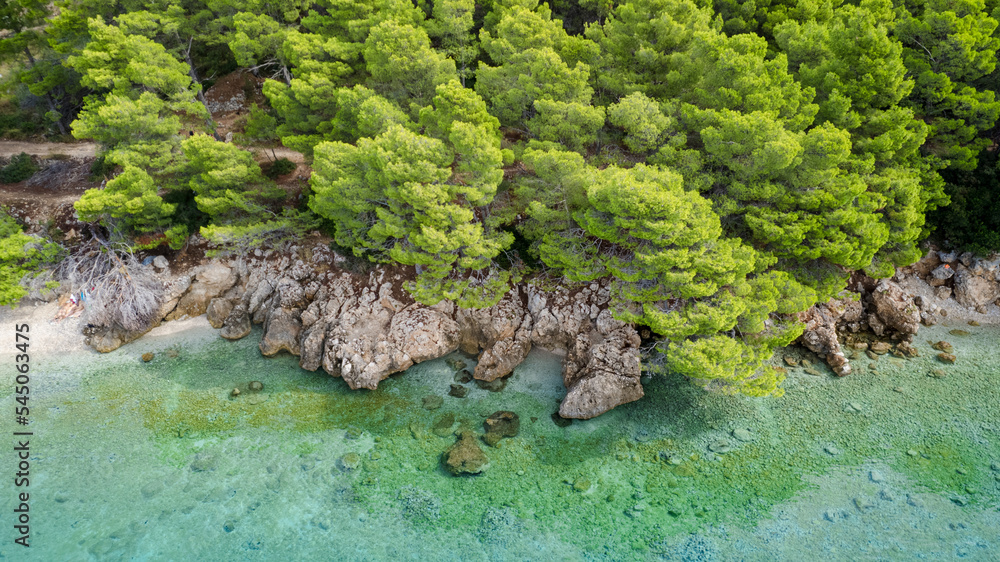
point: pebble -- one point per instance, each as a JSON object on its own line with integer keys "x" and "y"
{"x": 960, "y": 470}
{"x": 957, "y": 332}
{"x": 256, "y": 386}
{"x": 742, "y": 434}
{"x": 973, "y": 323}
{"x": 914, "y": 501}
{"x": 853, "y": 407}
{"x": 814, "y": 372}
{"x": 898, "y": 389}
{"x": 876, "y": 476}
{"x": 830, "y": 449}
{"x": 912, "y": 453}
{"x": 995, "y": 466}
{"x": 147, "y": 357}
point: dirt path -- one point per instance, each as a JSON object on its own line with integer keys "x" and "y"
{"x": 48, "y": 149}
{"x": 89, "y": 149}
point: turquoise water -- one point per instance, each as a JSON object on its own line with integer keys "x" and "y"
{"x": 155, "y": 461}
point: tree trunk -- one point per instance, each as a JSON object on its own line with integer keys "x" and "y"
{"x": 48, "y": 96}
{"x": 194, "y": 77}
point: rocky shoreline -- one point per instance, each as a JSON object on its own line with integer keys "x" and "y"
{"x": 365, "y": 327}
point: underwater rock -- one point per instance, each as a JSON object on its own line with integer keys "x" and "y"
{"x": 495, "y": 385}
{"x": 906, "y": 349}
{"x": 791, "y": 361}
{"x": 442, "y": 426}
{"x": 256, "y": 386}
{"x": 147, "y": 357}
{"x": 720, "y": 447}
{"x": 348, "y": 462}
{"x": 456, "y": 364}
{"x": 432, "y": 402}
{"x": 458, "y": 391}
{"x": 942, "y": 346}
{"x": 235, "y": 392}
{"x": 465, "y": 456}
{"x": 742, "y": 434}
{"x": 946, "y": 358}
{"x": 463, "y": 376}
{"x": 880, "y": 347}
{"x": 499, "y": 425}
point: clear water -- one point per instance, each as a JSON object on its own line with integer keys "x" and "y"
{"x": 154, "y": 461}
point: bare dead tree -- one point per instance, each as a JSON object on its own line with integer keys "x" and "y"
{"x": 117, "y": 289}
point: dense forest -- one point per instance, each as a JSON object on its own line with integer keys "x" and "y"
{"x": 724, "y": 164}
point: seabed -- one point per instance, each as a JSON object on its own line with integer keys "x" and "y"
{"x": 157, "y": 461}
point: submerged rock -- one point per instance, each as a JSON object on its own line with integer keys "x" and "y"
{"x": 500, "y": 425}
{"x": 465, "y": 456}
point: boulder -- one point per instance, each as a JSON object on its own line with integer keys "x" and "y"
{"x": 820, "y": 334}
{"x": 237, "y": 324}
{"x": 972, "y": 291}
{"x": 893, "y": 310}
{"x": 218, "y": 310}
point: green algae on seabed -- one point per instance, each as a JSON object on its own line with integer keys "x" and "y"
{"x": 639, "y": 482}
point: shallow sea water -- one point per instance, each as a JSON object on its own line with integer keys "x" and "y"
{"x": 155, "y": 461}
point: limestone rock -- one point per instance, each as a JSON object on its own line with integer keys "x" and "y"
{"x": 893, "y": 310}
{"x": 281, "y": 332}
{"x": 237, "y": 324}
{"x": 502, "y": 332}
{"x": 218, "y": 310}
{"x": 213, "y": 280}
{"x": 602, "y": 371}
{"x": 820, "y": 334}
{"x": 972, "y": 291}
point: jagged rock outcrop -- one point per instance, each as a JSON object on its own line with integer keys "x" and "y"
{"x": 893, "y": 311}
{"x": 207, "y": 282}
{"x": 820, "y": 335}
{"x": 976, "y": 288}
{"x": 366, "y": 328}
{"x": 500, "y": 335}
